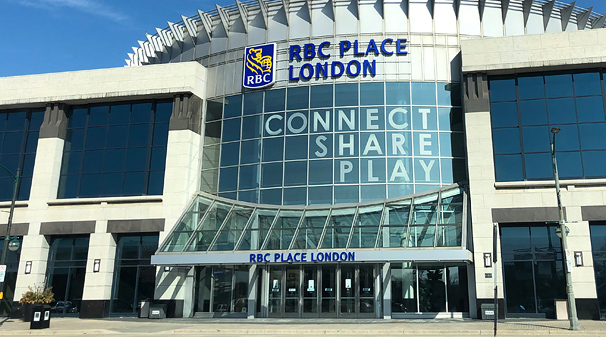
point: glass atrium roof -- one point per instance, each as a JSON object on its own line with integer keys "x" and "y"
{"x": 432, "y": 219}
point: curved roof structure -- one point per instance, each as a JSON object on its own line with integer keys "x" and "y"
{"x": 174, "y": 43}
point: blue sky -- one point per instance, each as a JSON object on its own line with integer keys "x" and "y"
{"x": 41, "y": 36}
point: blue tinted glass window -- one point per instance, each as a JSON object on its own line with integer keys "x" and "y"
{"x": 273, "y": 149}
{"x": 569, "y": 164}
{"x": 134, "y": 183}
{"x": 504, "y": 114}
{"x": 158, "y": 159}
{"x": 232, "y": 106}
{"x": 296, "y": 147}
{"x": 531, "y": 87}
{"x": 426, "y": 144}
{"x": 394, "y": 191}
{"x": 253, "y": 103}
{"x": 533, "y": 112}
{"x": 230, "y": 154}
{"x": 538, "y": 166}
{"x": 98, "y": 116}
{"x": 250, "y": 152}
{"x": 535, "y": 138}
{"x": 346, "y": 94}
{"x": 452, "y": 144}
{"x": 321, "y": 146}
{"x": 228, "y": 179}
{"x": 119, "y": 114}
{"x": 160, "y": 134}
{"x": 347, "y": 171}
{"x": 90, "y": 185}
{"x": 320, "y": 195}
{"x": 399, "y": 170}
{"x": 295, "y": 173}
{"x": 503, "y": 90}
{"x": 592, "y": 136}
{"x": 251, "y": 127}
{"x": 428, "y": 170}
{"x": 297, "y": 98}
{"x": 373, "y": 144}
{"x": 321, "y": 96}
{"x": 136, "y": 159}
{"x": 509, "y": 167}
{"x": 156, "y": 182}
{"x": 163, "y": 112}
{"x": 346, "y": 145}
{"x": 275, "y": 100}
{"x": 346, "y": 194}
{"x": 372, "y": 118}
{"x": 320, "y": 172}
{"x": 140, "y": 113}
{"x": 594, "y": 163}
{"x": 372, "y": 192}
{"x": 249, "y": 177}
{"x": 506, "y": 141}
{"x": 561, "y": 111}
{"x": 295, "y": 196}
{"x": 231, "y": 130}
{"x": 373, "y": 170}
{"x": 274, "y": 124}
{"x": 271, "y": 196}
{"x": 424, "y": 118}
{"x": 271, "y": 175}
{"x": 399, "y": 144}
{"x": 138, "y": 135}
{"x": 423, "y": 93}
{"x": 399, "y": 118}
{"x": 296, "y": 122}
{"x": 587, "y": 84}
{"x": 449, "y": 94}
{"x": 371, "y": 93}
{"x": 249, "y": 196}
{"x": 568, "y": 138}
{"x": 559, "y": 85}
{"x": 590, "y": 109}
{"x": 397, "y": 93}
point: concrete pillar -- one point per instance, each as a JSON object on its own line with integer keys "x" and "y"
{"x": 189, "y": 300}
{"x": 386, "y": 275}
{"x": 98, "y": 285}
{"x": 253, "y": 283}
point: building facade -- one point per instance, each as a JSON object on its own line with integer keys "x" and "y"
{"x": 316, "y": 159}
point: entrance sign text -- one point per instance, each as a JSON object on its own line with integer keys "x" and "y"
{"x": 303, "y": 257}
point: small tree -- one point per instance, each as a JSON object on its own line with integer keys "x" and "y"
{"x": 37, "y": 295}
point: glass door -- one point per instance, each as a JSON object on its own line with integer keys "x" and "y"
{"x": 292, "y": 292}
{"x": 348, "y": 291}
{"x": 366, "y": 281}
{"x": 329, "y": 291}
{"x": 275, "y": 291}
{"x": 432, "y": 289}
{"x": 310, "y": 291}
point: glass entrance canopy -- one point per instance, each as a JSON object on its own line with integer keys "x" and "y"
{"x": 429, "y": 220}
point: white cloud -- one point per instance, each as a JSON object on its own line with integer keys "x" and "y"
{"x": 86, "y": 6}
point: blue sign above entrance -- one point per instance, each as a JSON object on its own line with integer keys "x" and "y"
{"x": 303, "y": 257}
{"x": 259, "y": 66}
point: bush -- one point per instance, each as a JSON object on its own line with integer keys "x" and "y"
{"x": 37, "y": 295}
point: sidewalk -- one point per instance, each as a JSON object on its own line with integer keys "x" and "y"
{"x": 268, "y": 327}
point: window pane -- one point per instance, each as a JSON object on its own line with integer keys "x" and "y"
{"x": 423, "y": 93}
{"x": 95, "y": 138}
{"x": 587, "y": 84}
{"x": 296, "y": 147}
{"x": 569, "y": 164}
{"x": 346, "y": 194}
{"x": 98, "y": 115}
{"x": 533, "y": 112}
{"x": 93, "y": 162}
{"x": 592, "y": 136}
{"x": 156, "y": 183}
{"x": 158, "y": 158}
{"x": 117, "y": 136}
{"x": 372, "y": 193}
{"x": 133, "y": 183}
{"x": 506, "y": 141}
{"x": 295, "y": 196}
{"x": 78, "y": 118}
{"x": 119, "y": 114}
{"x": 509, "y": 167}
{"x": 138, "y": 135}
{"x": 274, "y": 100}
{"x": 89, "y": 185}
{"x": 538, "y": 166}
{"x": 141, "y": 113}
{"x": 295, "y": 173}
{"x": 449, "y": 94}
{"x": 115, "y": 160}
{"x": 249, "y": 177}
{"x": 561, "y": 111}
{"x": 271, "y": 175}
{"x": 531, "y": 87}
{"x": 251, "y": 127}
{"x": 590, "y": 109}
{"x": 297, "y": 98}
{"x": 251, "y": 152}
{"x": 320, "y": 195}
{"x": 346, "y": 94}
{"x": 559, "y": 85}
{"x": 594, "y": 163}
{"x": 233, "y": 106}
{"x": 231, "y": 130}
{"x": 230, "y": 153}
{"x": 450, "y": 119}
{"x": 504, "y": 114}
{"x": 228, "y": 179}
{"x": 253, "y": 103}
{"x": 273, "y": 149}
{"x": 271, "y": 196}
{"x": 503, "y": 90}
{"x": 320, "y": 172}
{"x": 371, "y": 93}
{"x": 136, "y": 159}
{"x": 567, "y": 138}
{"x": 536, "y": 138}
{"x": 321, "y": 96}
{"x": 397, "y": 93}
{"x": 163, "y": 112}
{"x": 160, "y": 134}
{"x": 112, "y": 184}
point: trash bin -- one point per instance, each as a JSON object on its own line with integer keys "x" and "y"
{"x": 40, "y": 317}
{"x": 487, "y": 311}
{"x": 157, "y": 311}
{"x": 144, "y": 309}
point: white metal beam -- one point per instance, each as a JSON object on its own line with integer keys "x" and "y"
{"x": 166, "y": 36}
{"x": 286, "y": 11}
{"x": 224, "y": 16}
{"x": 264, "y": 12}
{"x": 191, "y": 26}
{"x": 243, "y": 14}
{"x": 177, "y": 31}
{"x": 207, "y": 22}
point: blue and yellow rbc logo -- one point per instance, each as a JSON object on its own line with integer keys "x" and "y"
{"x": 259, "y": 66}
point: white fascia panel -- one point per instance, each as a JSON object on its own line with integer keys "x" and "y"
{"x": 454, "y": 55}
{"x": 492, "y": 23}
{"x": 264, "y": 12}
{"x": 514, "y": 23}
{"x": 420, "y": 17}
{"x": 257, "y": 30}
{"x": 371, "y": 16}
{"x": 237, "y": 36}
{"x": 278, "y": 23}
{"x": 230, "y": 85}
{"x": 445, "y": 18}
{"x": 535, "y": 23}
{"x": 554, "y": 25}
{"x": 219, "y": 42}
{"x": 211, "y": 78}
{"x": 442, "y": 64}
{"x": 469, "y": 19}
{"x": 299, "y": 20}
{"x": 188, "y": 48}
{"x": 347, "y": 17}
{"x": 238, "y": 76}
{"x": 416, "y": 59}
{"x": 396, "y": 20}
{"x": 323, "y": 18}
{"x": 429, "y": 64}
{"x": 220, "y": 80}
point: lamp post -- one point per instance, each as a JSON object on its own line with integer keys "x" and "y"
{"x": 7, "y": 237}
{"x": 572, "y": 307}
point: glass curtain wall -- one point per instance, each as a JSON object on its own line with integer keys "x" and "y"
{"x": 428, "y": 288}
{"x": 19, "y": 132}
{"x": 525, "y": 108}
{"x": 134, "y": 276}
{"x": 222, "y": 290}
{"x": 66, "y": 273}
{"x": 533, "y": 269}
{"x": 10, "y": 278}
{"x": 334, "y": 144}
{"x": 598, "y": 248}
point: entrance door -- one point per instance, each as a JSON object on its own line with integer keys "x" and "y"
{"x": 357, "y": 291}
{"x": 329, "y": 291}
{"x": 292, "y": 291}
{"x": 275, "y": 291}
{"x": 310, "y": 291}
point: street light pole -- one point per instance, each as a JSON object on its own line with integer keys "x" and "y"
{"x": 572, "y": 307}
{"x": 9, "y": 223}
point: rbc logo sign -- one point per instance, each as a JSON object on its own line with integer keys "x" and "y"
{"x": 259, "y": 66}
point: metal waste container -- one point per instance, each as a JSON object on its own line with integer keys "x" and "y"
{"x": 157, "y": 311}
{"x": 40, "y": 317}
{"x": 487, "y": 310}
{"x": 144, "y": 309}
